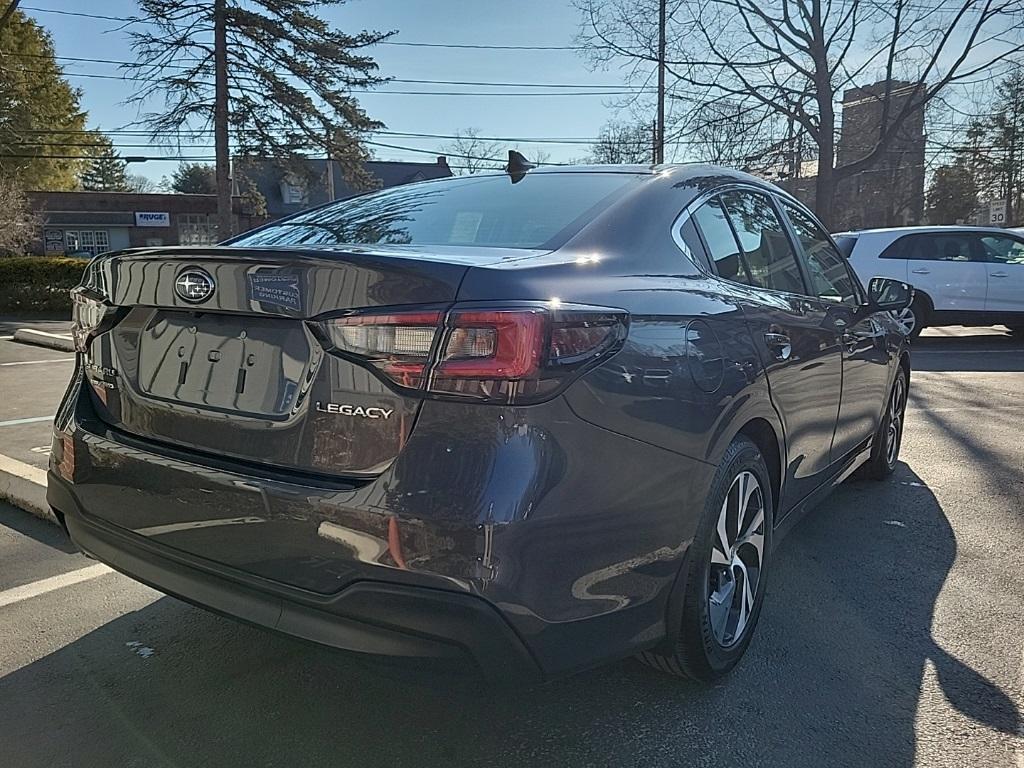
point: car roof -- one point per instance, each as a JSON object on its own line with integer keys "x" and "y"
{"x": 921, "y": 230}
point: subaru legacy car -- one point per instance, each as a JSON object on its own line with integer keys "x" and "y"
{"x": 539, "y": 419}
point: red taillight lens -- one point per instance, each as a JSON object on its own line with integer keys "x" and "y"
{"x": 511, "y": 355}
{"x": 505, "y": 344}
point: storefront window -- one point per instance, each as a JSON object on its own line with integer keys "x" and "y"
{"x": 196, "y": 229}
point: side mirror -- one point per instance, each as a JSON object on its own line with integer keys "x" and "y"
{"x": 887, "y": 295}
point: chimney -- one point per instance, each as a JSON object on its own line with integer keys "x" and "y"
{"x": 442, "y": 161}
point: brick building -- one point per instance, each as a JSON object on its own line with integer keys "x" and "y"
{"x": 94, "y": 222}
{"x": 890, "y": 192}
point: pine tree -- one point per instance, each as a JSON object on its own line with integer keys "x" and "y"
{"x": 194, "y": 179}
{"x": 275, "y": 80}
{"x": 40, "y": 116}
{"x": 104, "y": 170}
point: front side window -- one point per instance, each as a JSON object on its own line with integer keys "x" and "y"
{"x": 829, "y": 273}
{"x": 722, "y": 245}
{"x": 1002, "y": 249}
{"x": 539, "y": 210}
{"x": 765, "y": 244}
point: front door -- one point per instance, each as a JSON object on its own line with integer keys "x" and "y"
{"x": 1004, "y": 255}
{"x": 865, "y": 355}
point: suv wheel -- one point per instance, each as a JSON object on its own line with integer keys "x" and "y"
{"x": 914, "y": 318}
{"x": 726, "y": 567}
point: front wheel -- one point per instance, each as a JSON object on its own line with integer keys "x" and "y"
{"x": 726, "y": 568}
{"x": 885, "y": 451}
{"x": 913, "y": 319}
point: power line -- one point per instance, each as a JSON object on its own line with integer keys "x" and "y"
{"x": 374, "y": 91}
{"x": 409, "y": 43}
{"x": 489, "y": 83}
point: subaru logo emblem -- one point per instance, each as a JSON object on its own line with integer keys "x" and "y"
{"x": 194, "y": 285}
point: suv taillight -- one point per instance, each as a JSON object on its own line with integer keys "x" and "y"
{"x": 504, "y": 354}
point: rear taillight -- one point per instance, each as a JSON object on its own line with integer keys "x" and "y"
{"x": 398, "y": 345}
{"x": 88, "y": 314}
{"x": 508, "y": 354}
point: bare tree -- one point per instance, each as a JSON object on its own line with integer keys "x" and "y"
{"x": 623, "y": 143}
{"x": 19, "y": 224}
{"x": 471, "y": 153}
{"x": 140, "y": 184}
{"x": 269, "y": 76}
{"x": 727, "y": 133}
{"x": 793, "y": 59}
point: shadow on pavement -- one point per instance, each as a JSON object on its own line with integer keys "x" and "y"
{"x": 833, "y": 678}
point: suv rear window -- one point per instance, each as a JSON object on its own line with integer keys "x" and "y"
{"x": 540, "y": 210}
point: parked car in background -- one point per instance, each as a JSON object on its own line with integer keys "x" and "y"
{"x": 540, "y": 419}
{"x": 961, "y": 275}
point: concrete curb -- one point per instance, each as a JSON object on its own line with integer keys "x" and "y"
{"x": 44, "y": 339}
{"x": 24, "y": 486}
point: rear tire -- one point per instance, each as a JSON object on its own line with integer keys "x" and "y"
{"x": 726, "y": 568}
{"x": 885, "y": 450}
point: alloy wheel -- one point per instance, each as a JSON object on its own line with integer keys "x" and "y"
{"x": 907, "y": 320}
{"x": 737, "y": 554}
{"x": 895, "y": 429}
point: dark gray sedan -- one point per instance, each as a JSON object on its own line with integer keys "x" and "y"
{"x": 537, "y": 419}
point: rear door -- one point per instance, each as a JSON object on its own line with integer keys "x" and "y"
{"x": 865, "y": 354}
{"x": 949, "y": 268}
{"x": 1004, "y": 255}
{"x": 798, "y": 345}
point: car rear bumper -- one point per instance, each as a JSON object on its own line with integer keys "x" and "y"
{"x": 516, "y": 535}
{"x": 366, "y": 616}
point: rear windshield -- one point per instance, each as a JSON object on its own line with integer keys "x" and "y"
{"x": 537, "y": 211}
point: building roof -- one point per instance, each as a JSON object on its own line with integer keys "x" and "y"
{"x": 269, "y": 174}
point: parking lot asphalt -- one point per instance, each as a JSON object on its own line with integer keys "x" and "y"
{"x": 891, "y": 635}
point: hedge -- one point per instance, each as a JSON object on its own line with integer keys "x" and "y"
{"x": 38, "y": 283}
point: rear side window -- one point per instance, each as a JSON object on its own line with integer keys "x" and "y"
{"x": 846, "y": 244}
{"x": 764, "y": 242}
{"x": 540, "y": 210}
{"x": 722, "y": 245}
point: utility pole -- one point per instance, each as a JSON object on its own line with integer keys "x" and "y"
{"x": 330, "y": 170}
{"x": 659, "y": 138}
{"x": 220, "y": 119}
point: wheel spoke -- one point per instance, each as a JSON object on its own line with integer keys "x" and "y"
{"x": 746, "y": 602}
{"x": 723, "y": 534}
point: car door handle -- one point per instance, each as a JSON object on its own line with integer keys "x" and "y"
{"x": 779, "y": 344}
{"x": 921, "y": 271}
{"x": 997, "y": 274}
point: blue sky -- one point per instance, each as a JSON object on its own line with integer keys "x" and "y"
{"x": 530, "y": 22}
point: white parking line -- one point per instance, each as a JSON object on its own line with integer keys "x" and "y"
{"x": 41, "y": 587}
{"x": 15, "y": 422}
{"x": 40, "y": 362}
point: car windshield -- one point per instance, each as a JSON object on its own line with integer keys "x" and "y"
{"x": 539, "y": 210}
